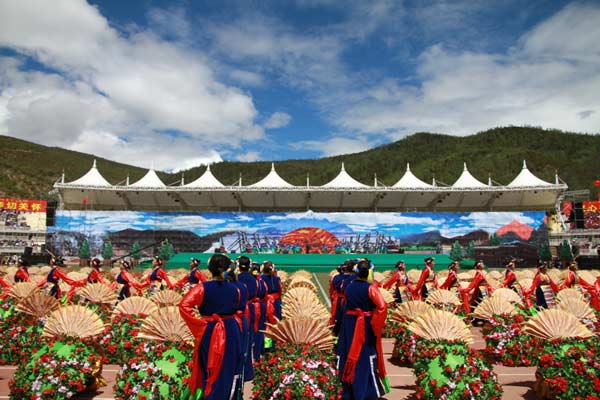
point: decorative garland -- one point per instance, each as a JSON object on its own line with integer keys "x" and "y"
{"x": 158, "y": 371}
{"x": 569, "y": 369}
{"x": 58, "y": 371}
{"x": 119, "y": 339}
{"x": 405, "y": 347}
{"x": 505, "y": 343}
{"x": 450, "y": 371}
{"x": 296, "y": 372}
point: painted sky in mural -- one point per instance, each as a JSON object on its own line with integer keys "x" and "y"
{"x": 393, "y": 224}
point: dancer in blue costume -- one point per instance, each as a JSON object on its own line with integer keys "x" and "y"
{"x": 261, "y": 294}
{"x": 252, "y": 310}
{"x": 232, "y": 275}
{"x": 218, "y": 353}
{"x": 360, "y": 358}
{"x": 349, "y": 276}
{"x": 127, "y": 280}
{"x": 335, "y": 293}
{"x": 273, "y": 282}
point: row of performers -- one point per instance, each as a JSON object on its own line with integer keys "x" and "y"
{"x": 542, "y": 286}
{"x": 226, "y": 314}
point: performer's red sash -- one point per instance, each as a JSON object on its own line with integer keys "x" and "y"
{"x": 358, "y": 341}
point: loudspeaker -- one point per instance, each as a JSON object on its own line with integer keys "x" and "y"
{"x": 578, "y": 215}
{"x": 51, "y": 213}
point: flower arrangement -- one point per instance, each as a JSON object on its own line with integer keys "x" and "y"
{"x": 391, "y": 327}
{"x": 569, "y": 369}
{"x": 505, "y": 343}
{"x": 157, "y": 371}
{"x": 20, "y": 341}
{"x": 296, "y": 371}
{"x": 119, "y": 339}
{"x": 405, "y": 347}
{"x": 58, "y": 370}
{"x": 448, "y": 370}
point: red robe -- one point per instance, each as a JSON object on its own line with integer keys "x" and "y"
{"x": 425, "y": 277}
{"x": 537, "y": 280}
{"x": 199, "y": 275}
{"x": 572, "y": 279}
{"x": 197, "y": 326}
{"x": 451, "y": 280}
{"x": 23, "y": 274}
{"x": 160, "y": 273}
{"x": 476, "y": 282}
{"x": 96, "y": 276}
{"x": 60, "y": 275}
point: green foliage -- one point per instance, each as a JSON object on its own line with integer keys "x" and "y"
{"x": 471, "y": 249}
{"x": 107, "y": 251}
{"x": 545, "y": 253}
{"x": 564, "y": 251}
{"x": 135, "y": 251}
{"x": 84, "y": 250}
{"x": 456, "y": 253}
{"x": 500, "y": 151}
{"x": 166, "y": 250}
{"x": 494, "y": 240}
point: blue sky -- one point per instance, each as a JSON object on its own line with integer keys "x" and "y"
{"x": 394, "y": 224}
{"x": 173, "y": 84}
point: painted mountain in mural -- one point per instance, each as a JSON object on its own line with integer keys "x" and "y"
{"x": 478, "y": 236}
{"x": 522, "y": 231}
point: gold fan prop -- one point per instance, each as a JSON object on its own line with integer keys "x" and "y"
{"x": 301, "y": 282}
{"x": 441, "y": 325}
{"x": 556, "y": 324}
{"x": 507, "y": 294}
{"x": 413, "y": 275}
{"x": 283, "y": 276}
{"x": 166, "y": 298}
{"x": 579, "y": 308}
{"x": 302, "y": 331}
{"x": 98, "y": 293}
{"x": 301, "y": 273}
{"x": 569, "y": 293}
{"x": 73, "y": 321}
{"x": 387, "y": 296}
{"x": 22, "y": 290}
{"x": 378, "y": 276}
{"x": 410, "y": 311}
{"x": 310, "y": 308}
{"x": 38, "y": 305}
{"x": 135, "y": 305}
{"x": 298, "y": 295}
{"x": 166, "y": 325}
{"x": 494, "y": 275}
{"x": 491, "y": 306}
{"x": 443, "y": 296}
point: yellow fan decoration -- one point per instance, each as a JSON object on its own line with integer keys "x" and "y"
{"x": 135, "y": 305}
{"x": 73, "y": 321}
{"x": 98, "y": 293}
{"x": 507, "y": 294}
{"x": 569, "y": 293}
{"x": 387, "y": 296}
{"x": 441, "y": 325}
{"x": 38, "y": 305}
{"x": 302, "y": 331}
{"x": 165, "y": 298}
{"x": 443, "y": 296}
{"x": 410, "y": 310}
{"x": 166, "y": 325}
{"x": 495, "y": 305}
{"x": 22, "y": 290}
{"x": 556, "y": 324}
{"x": 578, "y": 308}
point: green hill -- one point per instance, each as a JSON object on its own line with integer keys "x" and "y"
{"x": 29, "y": 170}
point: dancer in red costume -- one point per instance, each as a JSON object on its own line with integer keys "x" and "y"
{"x": 427, "y": 280}
{"x": 477, "y": 290}
{"x": 400, "y": 279}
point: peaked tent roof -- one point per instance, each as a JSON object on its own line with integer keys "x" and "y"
{"x": 149, "y": 180}
{"x": 91, "y": 178}
{"x": 526, "y": 178}
{"x": 343, "y": 180}
{"x": 272, "y": 180}
{"x": 466, "y": 180}
{"x": 207, "y": 179}
{"x": 409, "y": 180}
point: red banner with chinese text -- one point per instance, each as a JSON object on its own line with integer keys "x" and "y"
{"x": 23, "y": 205}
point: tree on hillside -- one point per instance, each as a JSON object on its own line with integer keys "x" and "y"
{"x": 166, "y": 251}
{"x": 564, "y": 252}
{"x": 456, "y": 252}
{"x": 471, "y": 249}
{"x": 494, "y": 240}
{"x": 107, "y": 250}
{"x": 544, "y": 251}
{"x": 136, "y": 254}
{"x": 84, "y": 250}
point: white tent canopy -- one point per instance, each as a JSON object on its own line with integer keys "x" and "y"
{"x": 272, "y": 180}
{"x": 526, "y": 178}
{"x": 466, "y": 180}
{"x": 344, "y": 180}
{"x": 149, "y": 180}
{"x": 207, "y": 179}
{"x": 91, "y": 178}
{"x": 409, "y": 180}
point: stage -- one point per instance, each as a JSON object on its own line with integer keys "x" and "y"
{"x": 323, "y": 262}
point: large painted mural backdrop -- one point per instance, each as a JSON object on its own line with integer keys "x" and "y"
{"x": 306, "y": 232}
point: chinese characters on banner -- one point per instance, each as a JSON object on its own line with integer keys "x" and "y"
{"x": 23, "y": 205}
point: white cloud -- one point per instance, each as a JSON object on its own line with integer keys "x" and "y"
{"x": 337, "y": 145}
{"x": 133, "y": 87}
{"x": 492, "y": 221}
{"x": 278, "y": 120}
{"x": 249, "y": 156}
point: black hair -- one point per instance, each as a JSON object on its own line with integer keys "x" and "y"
{"x": 363, "y": 267}
{"x": 95, "y": 262}
{"x": 340, "y": 269}
{"x": 349, "y": 265}
{"x": 218, "y": 264}
{"x": 126, "y": 264}
{"x": 452, "y": 264}
{"x": 267, "y": 267}
{"x": 244, "y": 263}
{"x": 399, "y": 263}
